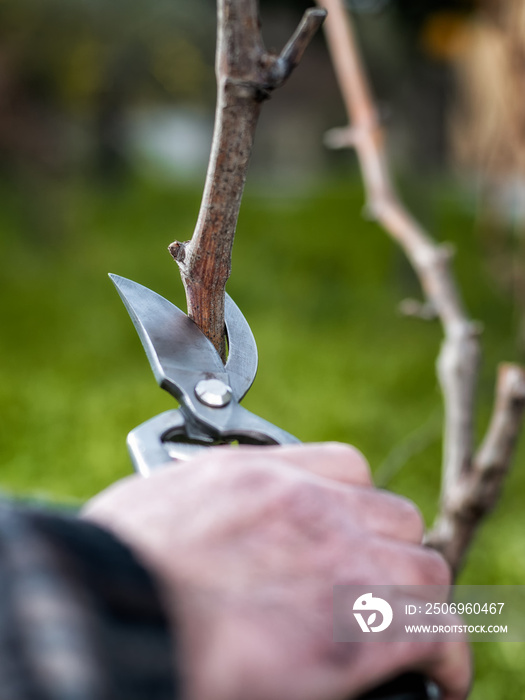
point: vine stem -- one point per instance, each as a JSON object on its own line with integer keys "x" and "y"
{"x": 246, "y": 76}
{"x": 470, "y": 484}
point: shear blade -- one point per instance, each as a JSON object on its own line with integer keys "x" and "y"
{"x": 174, "y": 344}
{"x": 242, "y": 350}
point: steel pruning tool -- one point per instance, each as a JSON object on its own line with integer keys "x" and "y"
{"x": 186, "y": 365}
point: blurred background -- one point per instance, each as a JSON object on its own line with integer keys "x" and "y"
{"x": 106, "y": 114}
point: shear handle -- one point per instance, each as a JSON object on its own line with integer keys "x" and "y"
{"x": 171, "y": 437}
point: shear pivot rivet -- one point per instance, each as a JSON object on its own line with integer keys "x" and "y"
{"x": 213, "y": 392}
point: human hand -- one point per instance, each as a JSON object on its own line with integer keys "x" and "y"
{"x": 248, "y": 543}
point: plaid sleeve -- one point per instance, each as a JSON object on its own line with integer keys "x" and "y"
{"x": 80, "y": 618}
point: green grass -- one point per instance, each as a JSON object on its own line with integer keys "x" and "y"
{"x": 320, "y": 287}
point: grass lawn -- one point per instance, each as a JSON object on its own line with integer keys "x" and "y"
{"x": 320, "y": 287}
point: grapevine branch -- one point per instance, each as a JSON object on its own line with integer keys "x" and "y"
{"x": 476, "y": 492}
{"x": 246, "y": 76}
{"x": 470, "y": 484}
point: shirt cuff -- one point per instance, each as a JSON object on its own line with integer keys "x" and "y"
{"x": 80, "y": 616}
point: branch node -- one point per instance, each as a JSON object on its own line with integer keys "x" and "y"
{"x": 446, "y": 251}
{"x": 374, "y": 209}
{"x": 341, "y": 137}
{"x": 249, "y": 89}
{"x": 514, "y": 377}
{"x": 351, "y": 136}
{"x": 178, "y": 251}
{"x": 424, "y": 310}
{"x": 476, "y": 329}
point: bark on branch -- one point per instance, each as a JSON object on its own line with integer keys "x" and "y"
{"x": 246, "y": 76}
{"x": 475, "y": 493}
{"x": 459, "y": 358}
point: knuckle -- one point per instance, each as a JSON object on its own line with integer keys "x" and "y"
{"x": 350, "y": 456}
{"x": 395, "y": 516}
{"x": 434, "y": 569}
{"x": 411, "y": 519}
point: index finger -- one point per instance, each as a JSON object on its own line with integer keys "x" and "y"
{"x": 332, "y": 460}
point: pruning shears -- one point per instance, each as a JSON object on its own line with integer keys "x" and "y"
{"x": 186, "y": 365}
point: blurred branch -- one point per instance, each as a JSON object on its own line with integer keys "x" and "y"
{"x": 246, "y": 76}
{"x": 459, "y": 358}
{"x": 471, "y": 497}
{"x": 417, "y": 309}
